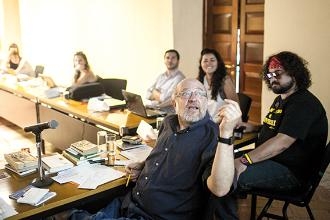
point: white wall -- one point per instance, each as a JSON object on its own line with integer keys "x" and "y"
{"x": 121, "y": 38}
{"x": 188, "y": 36}
{"x": 302, "y": 26}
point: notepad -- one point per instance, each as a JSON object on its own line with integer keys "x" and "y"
{"x": 36, "y": 196}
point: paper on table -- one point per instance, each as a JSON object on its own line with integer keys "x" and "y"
{"x": 6, "y": 210}
{"x": 89, "y": 176}
{"x": 102, "y": 174}
{"x": 145, "y": 131}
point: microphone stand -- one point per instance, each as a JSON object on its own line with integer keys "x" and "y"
{"x": 42, "y": 180}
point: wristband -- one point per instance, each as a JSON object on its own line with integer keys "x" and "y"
{"x": 229, "y": 141}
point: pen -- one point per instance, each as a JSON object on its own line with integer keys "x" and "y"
{"x": 128, "y": 178}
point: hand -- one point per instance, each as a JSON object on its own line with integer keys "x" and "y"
{"x": 155, "y": 95}
{"x": 230, "y": 116}
{"x": 134, "y": 170}
{"x": 239, "y": 167}
{"x": 149, "y": 141}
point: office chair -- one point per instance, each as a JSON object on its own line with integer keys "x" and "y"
{"x": 300, "y": 199}
{"x": 245, "y": 104}
{"x": 38, "y": 70}
{"x": 113, "y": 87}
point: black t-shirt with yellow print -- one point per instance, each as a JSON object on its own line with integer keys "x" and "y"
{"x": 302, "y": 116}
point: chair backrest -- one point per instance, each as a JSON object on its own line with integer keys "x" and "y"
{"x": 38, "y": 70}
{"x": 245, "y": 104}
{"x": 316, "y": 178}
{"x": 113, "y": 87}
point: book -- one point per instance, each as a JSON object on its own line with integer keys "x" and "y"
{"x": 36, "y": 196}
{"x": 20, "y": 193}
{"x": 55, "y": 163}
{"x": 79, "y": 156}
{"x": 85, "y": 147}
{"x": 126, "y": 146}
{"x": 139, "y": 154}
{"x": 24, "y": 172}
{"x": 77, "y": 160}
{"x": 73, "y": 159}
{"x": 21, "y": 160}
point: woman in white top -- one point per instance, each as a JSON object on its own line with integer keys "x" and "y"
{"x": 219, "y": 85}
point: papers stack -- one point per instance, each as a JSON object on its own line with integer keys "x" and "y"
{"x": 88, "y": 176}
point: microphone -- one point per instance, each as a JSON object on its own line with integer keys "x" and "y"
{"x": 41, "y": 126}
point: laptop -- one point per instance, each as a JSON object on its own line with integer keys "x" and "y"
{"x": 134, "y": 103}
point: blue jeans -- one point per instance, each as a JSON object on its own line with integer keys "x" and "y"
{"x": 267, "y": 175}
{"x": 110, "y": 212}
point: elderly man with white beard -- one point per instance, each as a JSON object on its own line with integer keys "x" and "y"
{"x": 193, "y": 157}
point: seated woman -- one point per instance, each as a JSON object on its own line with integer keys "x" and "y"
{"x": 83, "y": 72}
{"x": 218, "y": 84}
{"x": 15, "y": 64}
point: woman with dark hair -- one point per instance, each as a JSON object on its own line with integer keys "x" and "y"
{"x": 218, "y": 84}
{"x": 15, "y": 64}
{"x": 83, "y": 72}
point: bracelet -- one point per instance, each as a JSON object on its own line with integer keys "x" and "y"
{"x": 246, "y": 160}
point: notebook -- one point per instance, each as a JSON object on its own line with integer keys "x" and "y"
{"x": 134, "y": 103}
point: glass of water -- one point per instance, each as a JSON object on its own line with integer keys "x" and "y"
{"x": 111, "y": 148}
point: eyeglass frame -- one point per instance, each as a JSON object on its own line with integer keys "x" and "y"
{"x": 276, "y": 74}
{"x": 186, "y": 94}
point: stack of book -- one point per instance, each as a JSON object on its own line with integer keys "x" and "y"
{"x": 21, "y": 162}
{"x": 83, "y": 151}
{"x": 55, "y": 163}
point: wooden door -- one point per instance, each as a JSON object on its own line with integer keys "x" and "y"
{"x": 251, "y": 53}
{"x": 222, "y": 19}
{"x": 220, "y": 30}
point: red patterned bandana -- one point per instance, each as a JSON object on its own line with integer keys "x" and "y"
{"x": 275, "y": 64}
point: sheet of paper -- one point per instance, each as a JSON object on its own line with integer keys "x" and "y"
{"x": 88, "y": 176}
{"x": 145, "y": 131}
{"x": 6, "y": 210}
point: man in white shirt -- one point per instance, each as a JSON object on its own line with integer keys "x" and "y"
{"x": 159, "y": 94}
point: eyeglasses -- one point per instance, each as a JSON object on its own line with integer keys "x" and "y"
{"x": 188, "y": 93}
{"x": 276, "y": 74}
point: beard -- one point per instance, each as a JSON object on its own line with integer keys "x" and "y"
{"x": 278, "y": 89}
{"x": 190, "y": 116}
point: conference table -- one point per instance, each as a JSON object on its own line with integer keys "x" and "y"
{"x": 67, "y": 196}
{"x": 26, "y": 105}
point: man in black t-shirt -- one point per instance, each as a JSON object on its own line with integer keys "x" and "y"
{"x": 292, "y": 137}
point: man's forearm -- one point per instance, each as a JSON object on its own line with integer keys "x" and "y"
{"x": 271, "y": 148}
{"x": 222, "y": 173}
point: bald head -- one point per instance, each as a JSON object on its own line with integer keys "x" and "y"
{"x": 190, "y": 101}
{"x": 188, "y": 83}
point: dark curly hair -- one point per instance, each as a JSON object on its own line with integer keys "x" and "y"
{"x": 294, "y": 65}
{"x": 218, "y": 76}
